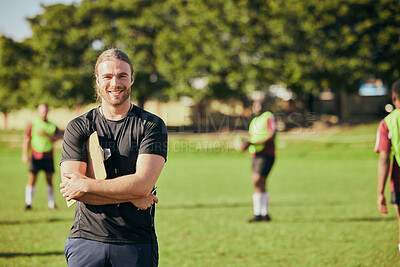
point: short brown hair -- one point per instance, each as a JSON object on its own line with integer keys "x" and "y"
{"x": 396, "y": 88}
{"x": 111, "y": 54}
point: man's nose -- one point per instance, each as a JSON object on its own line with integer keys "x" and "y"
{"x": 113, "y": 81}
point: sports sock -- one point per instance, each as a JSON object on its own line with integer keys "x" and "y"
{"x": 257, "y": 204}
{"x": 50, "y": 193}
{"x": 29, "y": 191}
{"x": 264, "y": 203}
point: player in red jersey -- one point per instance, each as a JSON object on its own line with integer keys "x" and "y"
{"x": 388, "y": 140}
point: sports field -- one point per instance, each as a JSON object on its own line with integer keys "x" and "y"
{"x": 323, "y": 205}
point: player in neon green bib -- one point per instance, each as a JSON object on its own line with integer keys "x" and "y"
{"x": 387, "y": 143}
{"x": 39, "y": 138}
{"x": 261, "y": 146}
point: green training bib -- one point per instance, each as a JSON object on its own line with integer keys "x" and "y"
{"x": 258, "y": 132}
{"x": 393, "y": 123}
{"x": 39, "y": 142}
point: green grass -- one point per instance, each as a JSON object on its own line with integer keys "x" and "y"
{"x": 323, "y": 206}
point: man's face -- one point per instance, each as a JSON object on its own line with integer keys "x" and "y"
{"x": 42, "y": 111}
{"x": 114, "y": 81}
{"x": 257, "y": 107}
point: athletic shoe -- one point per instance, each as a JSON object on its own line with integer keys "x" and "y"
{"x": 53, "y": 208}
{"x": 266, "y": 218}
{"x": 28, "y": 207}
{"x": 256, "y": 218}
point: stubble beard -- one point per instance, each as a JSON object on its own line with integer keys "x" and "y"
{"x": 114, "y": 101}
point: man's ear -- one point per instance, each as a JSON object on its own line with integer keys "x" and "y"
{"x": 97, "y": 81}
{"x": 132, "y": 79}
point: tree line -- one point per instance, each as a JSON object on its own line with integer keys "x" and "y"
{"x": 201, "y": 49}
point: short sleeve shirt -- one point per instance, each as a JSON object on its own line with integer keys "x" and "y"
{"x": 383, "y": 143}
{"x": 140, "y": 132}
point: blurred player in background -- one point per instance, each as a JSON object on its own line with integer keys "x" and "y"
{"x": 261, "y": 146}
{"x": 388, "y": 140}
{"x": 39, "y": 138}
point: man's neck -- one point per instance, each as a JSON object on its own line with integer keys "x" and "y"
{"x": 115, "y": 113}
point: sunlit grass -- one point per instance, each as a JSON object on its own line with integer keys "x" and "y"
{"x": 323, "y": 194}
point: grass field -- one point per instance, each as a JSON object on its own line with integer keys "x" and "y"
{"x": 323, "y": 205}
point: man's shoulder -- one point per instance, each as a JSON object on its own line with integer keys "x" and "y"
{"x": 86, "y": 116}
{"x": 145, "y": 116}
{"x": 382, "y": 127}
{"x": 52, "y": 123}
{"x": 394, "y": 115}
{"x": 265, "y": 116}
{"x": 38, "y": 122}
{"x": 83, "y": 120}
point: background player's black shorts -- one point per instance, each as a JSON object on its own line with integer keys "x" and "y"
{"x": 395, "y": 198}
{"x": 42, "y": 164}
{"x": 263, "y": 164}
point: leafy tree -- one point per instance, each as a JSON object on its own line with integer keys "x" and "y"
{"x": 336, "y": 43}
{"x": 200, "y": 49}
{"x": 14, "y": 65}
{"x": 213, "y": 49}
{"x": 128, "y": 25}
{"x": 62, "y": 76}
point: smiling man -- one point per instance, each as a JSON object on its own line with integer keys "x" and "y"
{"x": 114, "y": 218}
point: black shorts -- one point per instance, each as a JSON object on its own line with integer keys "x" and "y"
{"x": 395, "y": 198}
{"x": 42, "y": 164}
{"x": 84, "y": 252}
{"x": 263, "y": 164}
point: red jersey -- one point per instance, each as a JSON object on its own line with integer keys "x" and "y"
{"x": 383, "y": 143}
{"x": 35, "y": 154}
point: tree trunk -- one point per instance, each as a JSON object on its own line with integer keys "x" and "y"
{"x": 198, "y": 116}
{"x": 344, "y": 111}
{"x": 5, "y": 116}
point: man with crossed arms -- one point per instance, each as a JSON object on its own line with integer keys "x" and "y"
{"x": 114, "y": 218}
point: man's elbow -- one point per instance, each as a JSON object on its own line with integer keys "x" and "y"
{"x": 141, "y": 193}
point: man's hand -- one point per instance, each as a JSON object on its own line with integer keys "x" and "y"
{"x": 244, "y": 145}
{"x": 74, "y": 186}
{"x": 41, "y": 132}
{"x": 382, "y": 204}
{"x": 145, "y": 203}
{"x": 53, "y": 138}
{"x": 25, "y": 158}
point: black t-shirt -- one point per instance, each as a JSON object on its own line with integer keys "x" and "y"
{"x": 140, "y": 132}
